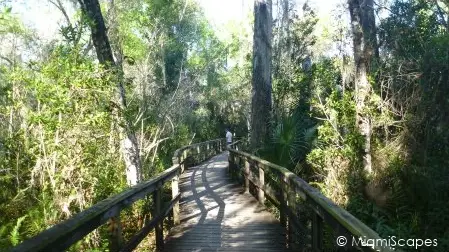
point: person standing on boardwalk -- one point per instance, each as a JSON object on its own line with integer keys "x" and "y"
{"x": 228, "y": 137}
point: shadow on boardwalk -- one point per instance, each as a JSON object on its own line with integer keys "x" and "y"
{"x": 216, "y": 214}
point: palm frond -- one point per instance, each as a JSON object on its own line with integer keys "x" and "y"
{"x": 291, "y": 139}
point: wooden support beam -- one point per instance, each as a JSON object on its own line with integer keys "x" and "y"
{"x": 183, "y": 161}
{"x": 236, "y": 167}
{"x": 317, "y": 232}
{"x": 230, "y": 163}
{"x": 247, "y": 164}
{"x": 283, "y": 201}
{"x": 261, "y": 194}
{"x": 159, "y": 226}
{"x": 175, "y": 192}
{"x": 291, "y": 218}
{"x": 115, "y": 233}
{"x": 139, "y": 236}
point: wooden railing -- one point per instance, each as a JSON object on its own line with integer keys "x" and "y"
{"x": 310, "y": 219}
{"x": 61, "y": 236}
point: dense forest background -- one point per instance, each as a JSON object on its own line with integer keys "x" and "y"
{"x": 358, "y": 107}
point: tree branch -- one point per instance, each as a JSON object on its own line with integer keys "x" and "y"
{"x": 58, "y": 4}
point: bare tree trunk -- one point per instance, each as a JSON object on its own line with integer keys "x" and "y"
{"x": 261, "y": 76}
{"x": 365, "y": 49}
{"x": 130, "y": 149}
{"x": 369, "y": 30}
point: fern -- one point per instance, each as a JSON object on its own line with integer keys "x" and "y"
{"x": 14, "y": 237}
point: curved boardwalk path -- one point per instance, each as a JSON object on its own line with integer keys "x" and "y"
{"x": 216, "y": 214}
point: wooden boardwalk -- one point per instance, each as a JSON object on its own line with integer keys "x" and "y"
{"x": 216, "y": 214}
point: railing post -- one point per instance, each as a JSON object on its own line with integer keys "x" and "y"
{"x": 283, "y": 213}
{"x": 198, "y": 153}
{"x": 283, "y": 200}
{"x": 230, "y": 163}
{"x": 115, "y": 233}
{"x": 237, "y": 168}
{"x": 204, "y": 151}
{"x": 208, "y": 149}
{"x": 174, "y": 193}
{"x": 156, "y": 212}
{"x": 317, "y": 232}
{"x": 246, "y": 175}
{"x": 261, "y": 194}
{"x": 175, "y": 160}
{"x": 183, "y": 160}
{"x": 291, "y": 217}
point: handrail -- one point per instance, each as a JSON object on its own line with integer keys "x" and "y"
{"x": 291, "y": 190}
{"x": 179, "y": 158}
{"x": 236, "y": 144}
{"x": 64, "y": 234}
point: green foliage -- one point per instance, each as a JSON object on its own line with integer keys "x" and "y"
{"x": 9, "y": 23}
{"x": 64, "y": 128}
{"x": 291, "y": 140}
{"x": 14, "y": 237}
{"x": 411, "y": 148}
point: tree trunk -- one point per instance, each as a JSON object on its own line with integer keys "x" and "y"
{"x": 91, "y": 9}
{"x": 365, "y": 50}
{"x": 261, "y": 75}
{"x": 369, "y": 30}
